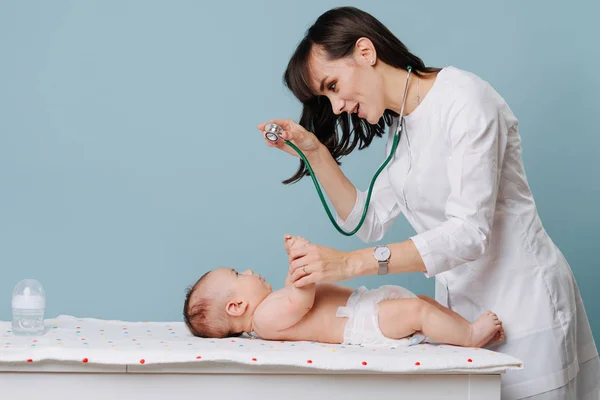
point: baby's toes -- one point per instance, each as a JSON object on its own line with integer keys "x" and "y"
{"x": 499, "y": 335}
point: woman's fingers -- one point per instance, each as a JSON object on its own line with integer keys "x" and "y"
{"x": 263, "y": 125}
{"x": 308, "y": 269}
{"x": 297, "y": 252}
{"x": 281, "y": 145}
{"x": 313, "y": 277}
{"x": 284, "y": 123}
{"x": 302, "y": 256}
{"x": 299, "y": 263}
{"x": 297, "y": 274}
{"x": 290, "y": 131}
{"x": 294, "y": 133}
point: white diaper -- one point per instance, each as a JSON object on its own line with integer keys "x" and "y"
{"x": 362, "y": 312}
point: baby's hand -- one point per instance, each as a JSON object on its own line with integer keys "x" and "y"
{"x": 293, "y": 242}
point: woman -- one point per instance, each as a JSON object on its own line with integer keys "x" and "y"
{"x": 458, "y": 178}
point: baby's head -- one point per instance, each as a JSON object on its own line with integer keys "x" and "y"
{"x": 222, "y": 302}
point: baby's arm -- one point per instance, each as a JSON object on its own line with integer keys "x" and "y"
{"x": 283, "y": 308}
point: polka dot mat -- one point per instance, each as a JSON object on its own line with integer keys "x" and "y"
{"x": 88, "y": 341}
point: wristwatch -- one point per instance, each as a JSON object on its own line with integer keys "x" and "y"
{"x": 382, "y": 254}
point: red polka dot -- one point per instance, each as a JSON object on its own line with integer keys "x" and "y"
{"x": 364, "y": 363}
{"x": 84, "y": 360}
{"x": 253, "y": 359}
{"x": 35, "y": 341}
{"x": 417, "y": 363}
{"x": 170, "y": 329}
{"x": 233, "y": 341}
{"x": 198, "y": 357}
{"x": 469, "y": 360}
{"x": 142, "y": 361}
{"x": 309, "y": 361}
{"x": 82, "y": 338}
{"x": 30, "y": 360}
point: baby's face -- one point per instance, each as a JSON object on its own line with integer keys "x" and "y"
{"x": 247, "y": 285}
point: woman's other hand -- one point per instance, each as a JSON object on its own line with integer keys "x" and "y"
{"x": 312, "y": 263}
{"x": 295, "y": 133}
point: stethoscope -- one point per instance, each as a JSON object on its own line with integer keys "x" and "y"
{"x": 273, "y": 134}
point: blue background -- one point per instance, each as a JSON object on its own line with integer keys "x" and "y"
{"x": 130, "y": 162}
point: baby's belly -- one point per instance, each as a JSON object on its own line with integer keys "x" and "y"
{"x": 320, "y": 324}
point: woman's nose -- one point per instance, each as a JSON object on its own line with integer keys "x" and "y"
{"x": 338, "y": 106}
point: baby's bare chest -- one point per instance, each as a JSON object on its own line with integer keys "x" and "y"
{"x": 321, "y": 324}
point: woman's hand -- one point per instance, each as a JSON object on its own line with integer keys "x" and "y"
{"x": 311, "y": 263}
{"x": 292, "y": 242}
{"x": 295, "y": 133}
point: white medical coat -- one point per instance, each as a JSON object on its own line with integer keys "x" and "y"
{"x": 458, "y": 178}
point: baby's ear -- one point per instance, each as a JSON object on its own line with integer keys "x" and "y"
{"x": 236, "y": 308}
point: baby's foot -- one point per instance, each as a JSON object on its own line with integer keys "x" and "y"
{"x": 484, "y": 329}
{"x": 499, "y": 336}
{"x": 497, "y": 340}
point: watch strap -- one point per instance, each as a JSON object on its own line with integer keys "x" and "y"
{"x": 383, "y": 268}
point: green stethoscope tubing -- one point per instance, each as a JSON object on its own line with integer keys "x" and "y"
{"x": 395, "y": 142}
{"x": 327, "y": 210}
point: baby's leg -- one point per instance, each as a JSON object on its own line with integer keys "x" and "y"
{"x": 439, "y": 306}
{"x": 499, "y": 336}
{"x": 399, "y": 318}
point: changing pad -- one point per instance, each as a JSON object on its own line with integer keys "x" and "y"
{"x": 89, "y": 340}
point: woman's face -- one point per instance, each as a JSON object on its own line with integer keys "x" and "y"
{"x": 352, "y": 84}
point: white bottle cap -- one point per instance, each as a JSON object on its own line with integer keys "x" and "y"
{"x": 29, "y": 295}
{"x": 28, "y": 302}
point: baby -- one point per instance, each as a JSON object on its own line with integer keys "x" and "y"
{"x": 226, "y": 303}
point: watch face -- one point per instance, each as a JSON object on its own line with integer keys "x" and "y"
{"x": 382, "y": 253}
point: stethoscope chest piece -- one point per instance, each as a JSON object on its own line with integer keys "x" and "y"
{"x": 273, "y": 132}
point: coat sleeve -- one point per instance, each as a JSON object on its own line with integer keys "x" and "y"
{"x": 477, "y": 132}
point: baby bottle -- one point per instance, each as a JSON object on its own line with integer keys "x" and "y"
{"x": 28, "y": 306}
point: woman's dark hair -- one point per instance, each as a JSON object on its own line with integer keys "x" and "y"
{"x": 336, "y": 32}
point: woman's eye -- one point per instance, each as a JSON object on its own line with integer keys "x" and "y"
{"x": 332, "y": 86}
